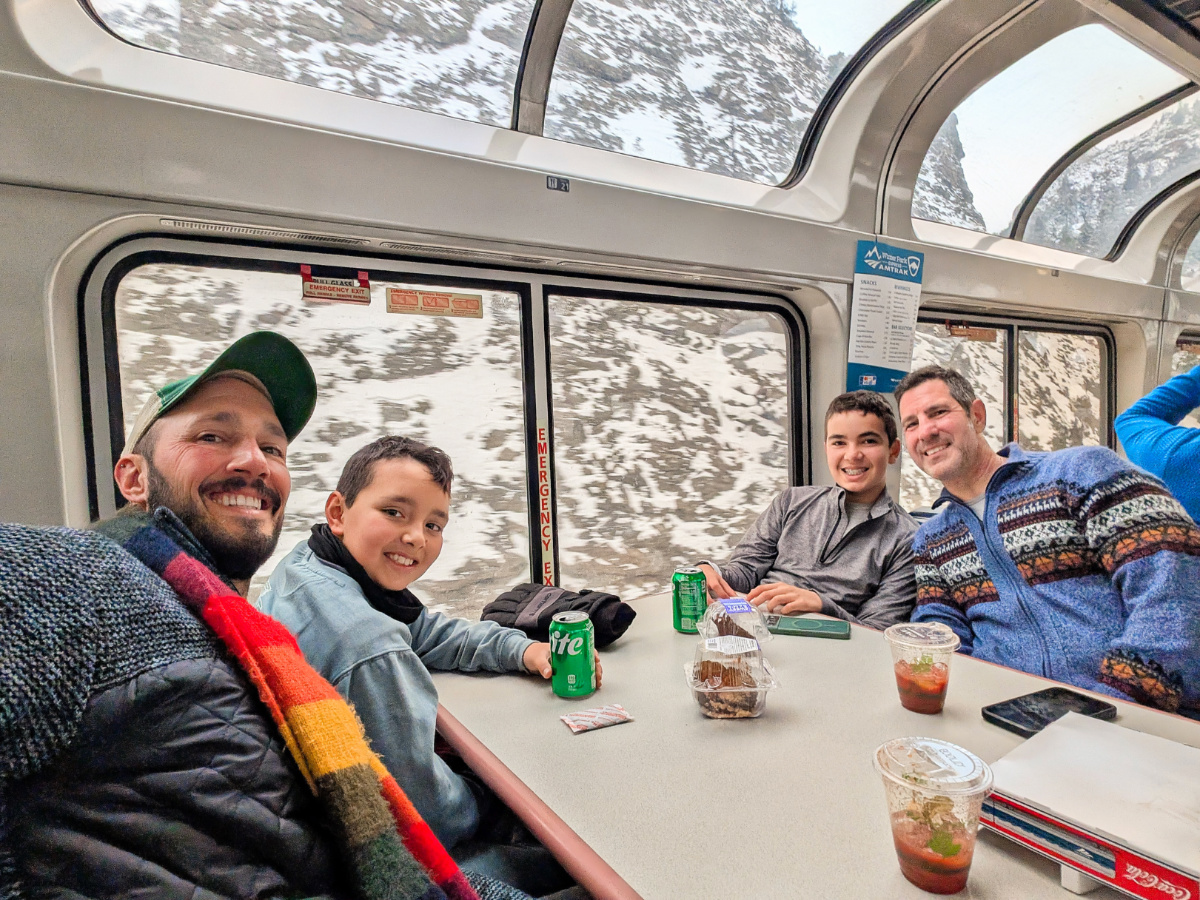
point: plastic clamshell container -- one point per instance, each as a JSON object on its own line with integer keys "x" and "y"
{"x": 736, "y": 616}
{"x": 730, "y": 678}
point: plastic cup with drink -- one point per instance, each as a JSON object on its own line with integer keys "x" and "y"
{"x": 935, "y": 791}
{"x": 921, "y": 653}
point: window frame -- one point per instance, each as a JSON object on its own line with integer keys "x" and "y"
{"x": 266, "y": 259}
{"x": 1135, "y": 221}
{"x": 99, "y": 362}
{"x": 799, "y": 461}
{"x": 838, "y": 88}
{"x": 1027, "y": 206}
{"x": 1013, "y": 325}
{"x": 514, "y": 92}
{"x": 1191, "y": 335}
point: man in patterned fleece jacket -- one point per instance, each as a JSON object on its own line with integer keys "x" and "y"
{"x": 1073, "y": 565}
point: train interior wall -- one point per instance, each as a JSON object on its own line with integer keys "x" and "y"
{"x": 85, "y": 166}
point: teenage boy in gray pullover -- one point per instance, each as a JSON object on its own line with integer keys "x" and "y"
{"x": 845, "y": 550}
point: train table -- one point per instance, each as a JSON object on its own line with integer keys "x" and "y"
{"x": 676, "y": 805}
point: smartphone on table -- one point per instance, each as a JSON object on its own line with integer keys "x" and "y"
{"x": 1028, "y": 714}
{"x": 805, "y": 627}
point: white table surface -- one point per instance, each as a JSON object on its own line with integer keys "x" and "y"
{"x": 786, "y": 805}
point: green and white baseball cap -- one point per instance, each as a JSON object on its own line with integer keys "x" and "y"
{"x": 271, "y": 358}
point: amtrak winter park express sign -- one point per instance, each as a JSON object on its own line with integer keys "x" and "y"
{"x": 883, "y": 317}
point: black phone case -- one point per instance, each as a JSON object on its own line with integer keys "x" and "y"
{"x": 1029, "y": 714}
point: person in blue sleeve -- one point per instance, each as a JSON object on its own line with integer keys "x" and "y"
{"x": 1073, "y": 565}
{"x": 1153, "y": 438}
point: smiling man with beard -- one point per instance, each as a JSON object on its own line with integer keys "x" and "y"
{"x": 218, "y": 462}
{"x": 158, "y": 735}
{"x": 1073, "y": 565}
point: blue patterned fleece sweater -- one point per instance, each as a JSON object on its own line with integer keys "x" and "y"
{"x": 1084, "y": 570}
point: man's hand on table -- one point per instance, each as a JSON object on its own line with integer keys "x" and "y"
{"x": 785, "y": 599}
{"x": 537, "y": 661}
{"x": 718, "y": 587}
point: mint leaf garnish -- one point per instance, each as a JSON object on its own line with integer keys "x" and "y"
{"x": 922, "y": 665}
{"x": 943, "y": 844}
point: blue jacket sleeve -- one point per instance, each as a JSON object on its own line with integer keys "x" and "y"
{"x": 1153, "y": 438}
{"x": 451, "y": 644}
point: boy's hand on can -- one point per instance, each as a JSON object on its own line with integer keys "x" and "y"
{"x": 718, "y": 587}
{"x": 537, "y": 659}
{"x": 599, "y": 669}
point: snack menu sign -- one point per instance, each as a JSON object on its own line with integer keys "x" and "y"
{"x": 883, "y": 315}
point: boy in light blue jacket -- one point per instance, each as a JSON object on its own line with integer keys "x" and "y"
{"x": 344, "y": 594}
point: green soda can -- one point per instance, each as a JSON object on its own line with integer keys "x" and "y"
{"x": 691, "y": 598}
{"x": 572, "y": 656}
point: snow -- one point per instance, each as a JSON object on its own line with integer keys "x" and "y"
{"x": 671, "y": 421}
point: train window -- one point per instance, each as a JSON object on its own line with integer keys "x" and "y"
{"x": 456, "y": 383}
{"x": 723, "y": 87}
{"x": 1061, "y": 390}
{"x": 459, "y": 59}
{"x": 1053, "y": 382}
{"x": 671, "y": 428}
{"x": 980, "y": 353}
{"x": 1185, "y": 358}
{"x": 1078, "y": 214}
{"x": 1000, "y": 141}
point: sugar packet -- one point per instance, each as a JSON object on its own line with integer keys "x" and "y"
{"x": 599, "y": 717}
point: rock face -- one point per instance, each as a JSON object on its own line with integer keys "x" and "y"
{"x": 1088, "y": 205}
{"x": 942, "y": 193}
{"x": 725, "y": 86}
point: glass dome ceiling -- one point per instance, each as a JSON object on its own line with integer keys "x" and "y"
{"x": 997, "y": 147}
{"x": 726, "y": 86}
{"x": 1087, "y": 206}
{"x": 731, "y": 87}
{"x": 459, "y": 59}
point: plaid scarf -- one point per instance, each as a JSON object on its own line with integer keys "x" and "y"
{"x": 390, "y": 851}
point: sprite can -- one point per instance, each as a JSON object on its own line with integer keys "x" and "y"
{"x": 691, "y": 598}
{"x": 572, "y": 660}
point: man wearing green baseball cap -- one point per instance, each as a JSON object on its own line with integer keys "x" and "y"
{"x": 212, "y": 449}
{"x": 170, "y": 736}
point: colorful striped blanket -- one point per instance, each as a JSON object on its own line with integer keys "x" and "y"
{"x": 390, "y": 851}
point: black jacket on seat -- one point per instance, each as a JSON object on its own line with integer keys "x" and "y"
{"x": 531, "y": 607}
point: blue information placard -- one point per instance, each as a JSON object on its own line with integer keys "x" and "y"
{"x": 883, "y": 315}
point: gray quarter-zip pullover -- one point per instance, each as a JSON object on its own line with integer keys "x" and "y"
{"x": 863, "y": 573}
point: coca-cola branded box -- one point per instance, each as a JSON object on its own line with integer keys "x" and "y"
{"x": 1115, "y": 805}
